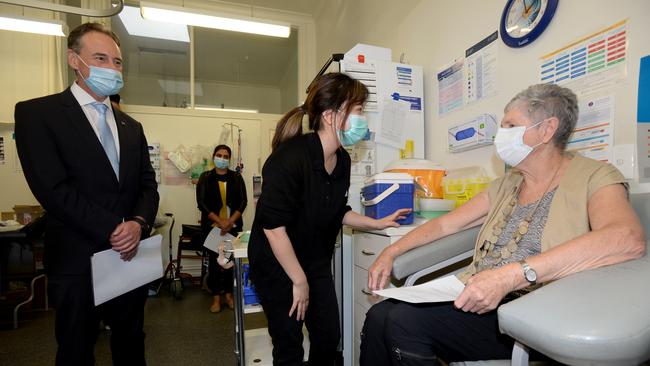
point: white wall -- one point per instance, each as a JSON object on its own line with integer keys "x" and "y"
{"x": 433, "y": 33}
{"x": 340, "y": 24}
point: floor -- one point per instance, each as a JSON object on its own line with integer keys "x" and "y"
{"x": 179, "y": 332}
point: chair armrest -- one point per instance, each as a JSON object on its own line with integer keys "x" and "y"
{"x": 596, "y": 317}
{"x": 435, "y": 252}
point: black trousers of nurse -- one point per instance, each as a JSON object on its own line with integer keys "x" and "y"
{"x": 321, "y": 319}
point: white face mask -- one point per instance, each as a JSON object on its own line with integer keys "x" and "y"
{"x": 510, "y": 145}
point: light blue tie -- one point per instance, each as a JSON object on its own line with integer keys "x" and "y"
{"x": 106, "y": 137}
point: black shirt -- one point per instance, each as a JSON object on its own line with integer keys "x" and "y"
{"x": 299, "y": 194}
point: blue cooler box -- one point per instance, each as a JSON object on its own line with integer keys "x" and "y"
{"x": 384, "y": 193}
{"x": 250, "y": 295}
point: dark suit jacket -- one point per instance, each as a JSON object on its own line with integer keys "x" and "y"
{"x": 208, "y": 197}
{"x": 70, "y": 175}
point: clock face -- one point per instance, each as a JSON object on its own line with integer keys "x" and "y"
{"x": 523, "y": 16}
{"x": 523, "y": 21}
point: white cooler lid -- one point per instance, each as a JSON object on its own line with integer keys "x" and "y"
{"x": 388, "y": 178}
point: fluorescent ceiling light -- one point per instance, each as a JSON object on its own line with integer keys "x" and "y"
{"x": 137, "y": 26}
{"x": 206, "y": 108}
{"x": 201, "y": 18}
{"x": 50, "y": 27}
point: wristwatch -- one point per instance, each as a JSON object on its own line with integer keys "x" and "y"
{"x": 144, "y": 227}
{"x": 529, "y": 273}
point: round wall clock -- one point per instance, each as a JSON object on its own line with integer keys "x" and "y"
{"x": 523, "y": 21}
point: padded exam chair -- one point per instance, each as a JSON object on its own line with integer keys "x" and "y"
{"x": 596, "y": 317}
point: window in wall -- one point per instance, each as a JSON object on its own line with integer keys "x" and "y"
{"x": 245, "y": 71}
{"x": 156, "y": 71}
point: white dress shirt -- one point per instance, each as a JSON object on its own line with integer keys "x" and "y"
{"x": 85, "y": 100}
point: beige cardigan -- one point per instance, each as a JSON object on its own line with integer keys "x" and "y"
{"x": 568, "y": 217}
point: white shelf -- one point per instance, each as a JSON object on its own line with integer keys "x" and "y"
{"x": 251, "y": 309}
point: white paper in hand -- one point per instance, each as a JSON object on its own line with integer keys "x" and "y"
{"x": 215, "y": 238}
{"x": 439, "y": 290}
{"x": 113, "y": 276}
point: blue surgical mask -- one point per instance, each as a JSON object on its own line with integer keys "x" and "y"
{"x": 102, "y": 81}
{"x": 221, "y": 163}
{"x": 358, "y": 130}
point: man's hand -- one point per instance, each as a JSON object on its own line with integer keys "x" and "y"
{"x": 125, "y": 239}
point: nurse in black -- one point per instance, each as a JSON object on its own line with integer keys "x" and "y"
{"x": 299, "y": 214}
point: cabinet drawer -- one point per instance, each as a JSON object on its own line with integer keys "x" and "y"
{"x": 367, "y": 248}
{"x": 360, "y": 291}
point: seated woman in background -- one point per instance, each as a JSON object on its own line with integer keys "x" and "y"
{"x": 221, "y": 197}
{"x": 555, "y": 213}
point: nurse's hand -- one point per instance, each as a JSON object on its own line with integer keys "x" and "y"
{"x": 379, "y": 271}
{"x": 391, "y": 220}
{"x": 300, "y": 299}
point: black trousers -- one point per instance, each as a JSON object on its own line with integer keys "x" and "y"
{"x": 399, "y": 333}
{"x": 219, "y": 280}
{"x": 321, "y": 319}
{"x": 77, "y": 322}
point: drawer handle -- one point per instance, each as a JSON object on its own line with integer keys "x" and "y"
{"x": 366, "y": 292}
{"x": 367, "y": 252}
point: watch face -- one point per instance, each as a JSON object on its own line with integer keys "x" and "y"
{"x": 531, "y": 275}
{"x": 523, "y": 16}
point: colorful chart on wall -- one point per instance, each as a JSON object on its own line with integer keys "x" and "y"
{"x": 481, "y": 66}
{"x": 596, "y": 60}
{"x": 450, "y": 88}
{"x": 593, "y": 135}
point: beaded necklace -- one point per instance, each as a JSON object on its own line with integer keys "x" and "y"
{"x": 489, "y": 245}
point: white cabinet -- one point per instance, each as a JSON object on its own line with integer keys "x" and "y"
{"x": 366, "y": 247}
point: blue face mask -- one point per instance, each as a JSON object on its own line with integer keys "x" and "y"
{"x": 221, "y": 163}
{"x": 102, "y": 81}
{"x": 358, "y": 130}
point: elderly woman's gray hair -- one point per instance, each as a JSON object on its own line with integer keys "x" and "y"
{"x": 549, "y": 100}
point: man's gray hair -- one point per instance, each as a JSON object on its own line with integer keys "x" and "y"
{"x": 549, "y": 100}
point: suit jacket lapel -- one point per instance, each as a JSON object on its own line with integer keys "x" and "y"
{"x": 87, "y": 135}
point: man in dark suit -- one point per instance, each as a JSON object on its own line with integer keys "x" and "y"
{"x": 88, "y": 165}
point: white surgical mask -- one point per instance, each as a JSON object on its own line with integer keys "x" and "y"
{"x": 510, "y": 145}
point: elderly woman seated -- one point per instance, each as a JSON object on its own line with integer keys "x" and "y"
{"x": 553, "y": 214}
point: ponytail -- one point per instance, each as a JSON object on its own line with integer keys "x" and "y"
{"x": 289, "y": 126}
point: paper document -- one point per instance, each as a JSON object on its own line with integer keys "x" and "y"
{"x": 439, "y": 290}
{"x": 393, "y": 117}
{"x": 113, "y": 276}
{"x": 215, "y": 238}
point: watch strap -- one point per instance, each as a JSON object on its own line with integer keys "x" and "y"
{"x": 143, "y": 224}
